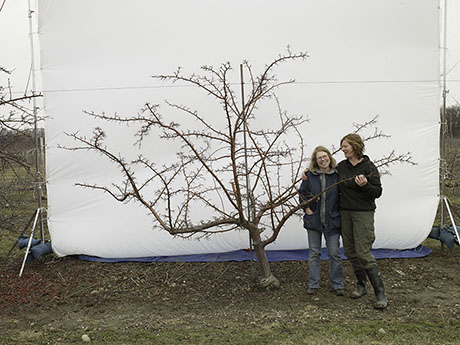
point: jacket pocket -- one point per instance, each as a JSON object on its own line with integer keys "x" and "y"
{"x": 308, "y": 221}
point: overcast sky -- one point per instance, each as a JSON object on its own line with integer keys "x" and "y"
{"x": 15, "y": 45}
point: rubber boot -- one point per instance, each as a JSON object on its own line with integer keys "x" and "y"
{"x": 361, "y": 289}
{"x": 377, "y": 283}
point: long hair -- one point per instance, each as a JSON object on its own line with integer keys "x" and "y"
{"x": 356, "y": 143}
{"x": 314, "y": 164}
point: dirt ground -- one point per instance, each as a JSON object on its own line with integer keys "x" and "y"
{"x": 62, "y": 296}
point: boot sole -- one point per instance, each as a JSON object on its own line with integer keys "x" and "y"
{"x": 381, "y": 305}
{"x": 356, "y": 296}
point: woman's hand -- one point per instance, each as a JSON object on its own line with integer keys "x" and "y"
{"x": 308, "y": 211}
{"x": 304, "y": 175}
{"x": 361, "y": 180}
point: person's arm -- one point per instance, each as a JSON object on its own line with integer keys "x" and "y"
{"x": 304, "y": 175}
{"x": 371, "y": 183}
{"x": 303, "y": 191}
{"x": 305, "y": 194}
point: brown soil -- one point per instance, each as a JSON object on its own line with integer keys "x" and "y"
{"x": 66, "y": 294}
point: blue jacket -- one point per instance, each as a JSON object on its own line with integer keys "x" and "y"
{"x": 327, "y": 221}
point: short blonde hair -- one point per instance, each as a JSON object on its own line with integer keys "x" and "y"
{"x": 356, "y": 143}
{"x": 314, "y": 164}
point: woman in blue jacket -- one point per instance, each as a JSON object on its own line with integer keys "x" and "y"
{"x": 322, "y": 217}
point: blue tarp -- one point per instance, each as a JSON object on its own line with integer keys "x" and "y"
{"x": 272, "y": 255}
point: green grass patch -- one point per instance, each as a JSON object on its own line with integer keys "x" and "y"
{"x": 365, "y": 332}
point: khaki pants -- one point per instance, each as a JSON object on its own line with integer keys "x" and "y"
{"x": 358, "y": 236}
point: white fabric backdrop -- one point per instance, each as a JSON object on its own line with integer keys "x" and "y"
{"x": 367, "y": 58}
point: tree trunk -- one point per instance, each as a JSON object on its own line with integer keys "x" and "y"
{"x": 267, "y": 279}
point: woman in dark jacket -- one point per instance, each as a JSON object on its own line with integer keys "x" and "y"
{"x": 322, "y": 217}
{"x": 359, "y": 187}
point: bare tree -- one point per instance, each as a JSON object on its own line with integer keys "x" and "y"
{"x": 244, "y": 172}
{"x": 16, "y": 143}
{"x": 451, "y": 137}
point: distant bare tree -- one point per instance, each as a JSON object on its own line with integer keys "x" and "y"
{"x": 16, "y": 141}
{"x": 245, "y": 174}
{"x": 452, "y": 136}
{"x": 453, "y": 120}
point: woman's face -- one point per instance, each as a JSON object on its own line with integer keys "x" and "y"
{"x": 323, "y": 160}
{"x": 347, "y": 149}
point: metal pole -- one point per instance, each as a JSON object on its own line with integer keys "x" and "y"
{"x": 248, "y": 186}
{"x": 443, "y": 114}
{"x": 38, "y": 177}
{"x": 451, "y": 218}
{"x": 29, "y": 244}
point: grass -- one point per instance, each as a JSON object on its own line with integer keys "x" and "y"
{"x": 365, "y": 332}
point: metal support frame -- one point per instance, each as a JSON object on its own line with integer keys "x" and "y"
{"x": 443, "y": 200}
{"x": 451, "y": 215}
{"x": 248, "y": 184}
{"x": 38, "y": 173}
{"x": 443, "y": 115}
{"x": 29, "y": 243}
{"x": 38, "y": 215}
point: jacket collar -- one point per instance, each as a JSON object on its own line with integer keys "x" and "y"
{"x": 330, "y": 172}
{"x": 365, "y": 159}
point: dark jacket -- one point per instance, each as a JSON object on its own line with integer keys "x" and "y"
{"x": 327, "y": 220}
{"x": 352, "y": 196}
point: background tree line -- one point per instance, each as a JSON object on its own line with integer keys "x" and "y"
{"x": 453, "y": 120}
{"x": 18, "y": 144}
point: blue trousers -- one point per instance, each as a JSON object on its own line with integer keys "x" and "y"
{"x": 314, "y": 260}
